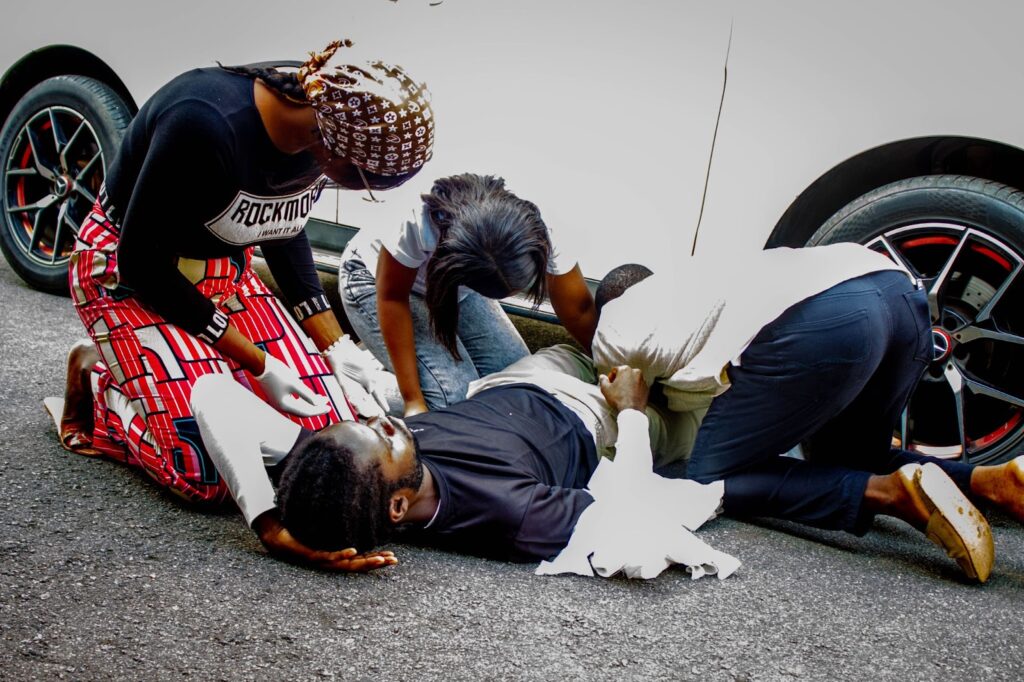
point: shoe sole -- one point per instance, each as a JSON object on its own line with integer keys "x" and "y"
{"x": 955, "y": 523}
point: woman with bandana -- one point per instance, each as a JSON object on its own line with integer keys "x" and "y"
{"x": 423, "y": 294}
{"x": 218, "y": 161}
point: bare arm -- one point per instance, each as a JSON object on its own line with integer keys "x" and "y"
{"x": 236, "y": 346}
{"x": 574, "y": 305}
{"x": 281, "y": 385}
{"x": 323, "y": 328}
{"x": 394, "y": 285}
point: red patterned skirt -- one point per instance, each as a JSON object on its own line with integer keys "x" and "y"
{"x": 148, "y": 365}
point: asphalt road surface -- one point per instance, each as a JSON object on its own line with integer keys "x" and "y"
{"x": 103, "y": 576}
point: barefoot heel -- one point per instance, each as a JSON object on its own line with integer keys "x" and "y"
{"x": 72, "y": 441}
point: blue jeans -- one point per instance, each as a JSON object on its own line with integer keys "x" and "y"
{"x": 487, "y": 341}
{"x": 835, "y": 370}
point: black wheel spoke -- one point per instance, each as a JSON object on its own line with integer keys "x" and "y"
{"x": 58, "y": 141}
{"x": 985, "y": 322}
{"x": 896, "y": 256}
{"x": 981, "y": 388}
{"x": 972, "y": 333}
{"x": 905, "y": 428}
{"x": 986, "y": 311}
{"x": 37, "y": 234}
{"x": 956, "y": 384}
{"x": 45, "y": 202}
{"x": 33, "y": 144}
{"x": 88, "y": 166}
{"x": 937, "y": 285}
{"x": 71, "y": 221}
{"x": 71, "y": 141}
{"x": 62, "y": 214}
{"x": 70, "y": 158}
{"x": 85, "y": 193}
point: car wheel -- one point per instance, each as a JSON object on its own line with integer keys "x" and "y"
{"x": 55, "y": 148}
{"x": 963, "y": 238}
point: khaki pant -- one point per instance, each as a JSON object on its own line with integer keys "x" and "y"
{"x": 571, "y": 377}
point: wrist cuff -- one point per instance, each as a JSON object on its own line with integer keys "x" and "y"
{"x": 311, "y": 306}
{"x": 214, "y": 329}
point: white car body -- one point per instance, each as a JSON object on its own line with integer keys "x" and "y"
{"x": 604, "y": 113}
{"x": 645, "y": 131}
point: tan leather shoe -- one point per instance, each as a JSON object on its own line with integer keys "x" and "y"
{"x": 954, "y": 523}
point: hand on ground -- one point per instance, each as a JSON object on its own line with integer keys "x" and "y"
{"x": 283, "y": 545}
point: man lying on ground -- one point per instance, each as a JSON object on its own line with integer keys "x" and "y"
{"x": 500, "y": 475}
{"x": 823, "y": 345}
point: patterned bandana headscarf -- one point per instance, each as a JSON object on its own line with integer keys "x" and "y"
{"x": 372, "y": 114}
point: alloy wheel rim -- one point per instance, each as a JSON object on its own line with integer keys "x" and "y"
{"x": 52, "y": 177}
{"x": 969, "y": 404}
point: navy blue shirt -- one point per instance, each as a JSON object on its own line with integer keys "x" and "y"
{"x": 509, "y": 464}
{"x": 197, "y": 176}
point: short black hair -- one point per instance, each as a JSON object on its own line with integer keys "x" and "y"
{"x": 617, "y": 281}
{"x": 331, "y": 501}
{"x": 489, "y": 240}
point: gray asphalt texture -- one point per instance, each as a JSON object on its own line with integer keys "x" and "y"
{"x": 104, "y": 576}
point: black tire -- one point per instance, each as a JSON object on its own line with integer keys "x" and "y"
{"x": 964, "y": 238}
{"x": 89, "y": 118}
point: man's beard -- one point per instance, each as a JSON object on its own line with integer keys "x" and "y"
{"x": 415, "y": 478}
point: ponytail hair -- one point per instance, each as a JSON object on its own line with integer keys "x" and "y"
{"x": 489, "y": 240}
{"x": 284, "y": 83}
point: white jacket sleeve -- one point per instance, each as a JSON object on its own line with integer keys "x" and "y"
{"x": 633, "y": 446}
{"x": 242, "y": 435}
{"x": 648, "y": 329}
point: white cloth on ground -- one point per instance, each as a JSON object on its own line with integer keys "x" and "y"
{"x": 640, "y": 523}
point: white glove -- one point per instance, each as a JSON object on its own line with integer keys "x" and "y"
{"x": 360, "y": 376}
{"x": 363, "y": 402}
{"x": 285, "y": 391}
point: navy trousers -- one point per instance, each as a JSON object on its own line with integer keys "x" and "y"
{"x": 835, "y": 370}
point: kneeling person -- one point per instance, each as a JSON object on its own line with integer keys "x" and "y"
{"x": 827, "y": 352}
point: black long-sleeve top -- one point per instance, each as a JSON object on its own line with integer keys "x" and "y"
{"x": 510, "y": 466}
{"x": 197, "y": 176}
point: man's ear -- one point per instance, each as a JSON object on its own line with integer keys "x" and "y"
{"x": 398, "y": 507}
